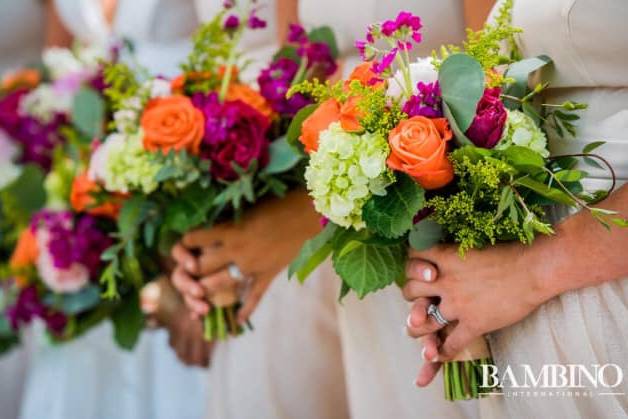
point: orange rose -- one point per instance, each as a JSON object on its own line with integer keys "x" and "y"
{"x": 28, "y": 78}
{"x": 26, "y": 253}
{"x": 419, "y": 148}
{"x": 364, "y": 74}
{"x": 327, "y": 113}
{"x": 350, "y": 115}
{"x": 249, "y": 96}
{"x": 82, "y": 199}
{"x": 172, "y": 123}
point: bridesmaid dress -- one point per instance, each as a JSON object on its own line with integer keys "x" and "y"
{"x": 91, "y": 377}
{"x": 589, "y": 46}
{"x": 21, "y": 42}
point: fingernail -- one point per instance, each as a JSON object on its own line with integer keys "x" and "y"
{"x": 409, "y": 321}
{"x": 434, "y": 359}
{"x": 427, "y": 275}
{"x": 423, "y": 354}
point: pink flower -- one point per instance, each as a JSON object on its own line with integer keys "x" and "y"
{"x": 61, "y": 280}
{"x": 488, "y": 125}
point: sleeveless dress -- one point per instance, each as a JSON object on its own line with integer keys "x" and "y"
{"x": 21, "y": 42}
{"x": 91, "y": 377}
{"x": 589, "y": 45}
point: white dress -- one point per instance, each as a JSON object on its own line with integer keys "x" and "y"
{"x": 92, "y": 378}
{"x": 310, "y": 357}
{"x": 589, "y": 46}
{"x": 21, "y": 42}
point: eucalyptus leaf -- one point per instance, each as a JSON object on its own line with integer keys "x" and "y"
{"x": 461, "y": 80}
{"x": 520, "y": 72}
{"x": 75, "y": 303}
{"x": 283, "y": 157}
{"x": 425, "y": 234}
{"x": 88, "y": 112}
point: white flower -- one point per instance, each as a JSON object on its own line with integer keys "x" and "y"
{"x": 159, "y": 88}
{"x": 126, "y": 120}
{"x": 58, "y": 280}
{"x": 521, "y": 130}
{"x": 60, "y": 62}
{"x": 44, "y": 102}
{"x": 421, "y": 70}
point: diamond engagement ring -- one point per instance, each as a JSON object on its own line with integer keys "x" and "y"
{"x": 235, "y": 273}
{"x": 433, "y": 310}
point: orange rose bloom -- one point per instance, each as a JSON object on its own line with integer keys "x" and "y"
{"x": 364, "y": 74}
{"x": 81, "y": 198}
{"x": 350, "y": 115}
{"x": 172, "y": 123}
{"x": 25, "y": 254}
{"x": 419, "y": 148}
{"x": 249, "y": 96}
{"x": 28, "y": 78}
{"x": 327, "y": 113}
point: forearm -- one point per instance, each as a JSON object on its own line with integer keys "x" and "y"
{"x": 56, "y": 34}
{"x": 583, "y": 253}
{"x": 287, "y": 13}
{"x": 476, "y": 12}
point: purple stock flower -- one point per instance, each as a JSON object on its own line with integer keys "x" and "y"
{"x": 274, "y": 83}
{"x": 427, "y": 102}
{"x": 296, "y": 34}
{"x": 235, "y": 133}
{"x": 232, "y": 22}
{"x": 29, "y": 306}
{"x": 319, "y": 59}
{"x": 387, "y": 60}
{"x": 488, "y": 125}
{"x": 255, "y": 22}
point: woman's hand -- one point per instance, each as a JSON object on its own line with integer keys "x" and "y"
{"x": 186, "y": 338}
{"x": 261, "y": 245}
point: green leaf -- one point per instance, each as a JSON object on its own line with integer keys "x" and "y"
{"x": 191, "y": 208}
{"x": 88, "y": 112}
{"x": 459, "y": 135}
{"x": 325, "y": 35}
{"x": 461, "y": 80}
{"x": 524, "y": 159}
{"x": 133, "y": 213}
{"x": 75, "y": 303}
{"x": 128, "y": 322}
{"x": 570, "y": 175}
{"x": 294, "y": 130}
{"x": 288, "y": 52}
{"x": 506, "y": 199}
{"x": 592, "y": 146}
{"x": 425, "y": 234}
{"x": 283, "y": 157}
{"x": 520, "y": 72}
{"x": 368, "y": 268}
{"x": 542, "y": 189}
{"x": 593, "y": 163}
{"x": 26, "y": 194}
{"x": 620, "y": 222}
{"x": 392, "y": 215}
{"x": 313, "y": 253}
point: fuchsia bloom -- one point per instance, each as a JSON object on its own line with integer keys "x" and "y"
{"x": 255, "y": 22}
{"x": 318, "y": 55}
{"x": 274, "y": 83}
{"x": 235, "y": 133}
{"x": 232, "y": 22}
{"x": 29, "y": 306}
{"x": 427, "y": 102}
{"x": 488, "y": 125}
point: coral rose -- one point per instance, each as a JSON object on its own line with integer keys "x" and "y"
{"x": 26, "y": 253}
{"x": 350, "y": 115}
{"x": 250, "y": 97}
{"x": 82, "y": 199}
{"x": 28, "y": 78}
{"x": 172, "y": 123}
{"x": 419, "y": 148}
{"x": 319, "y": 120}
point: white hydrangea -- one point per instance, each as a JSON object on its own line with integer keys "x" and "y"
{"x": 345, "y": 171}
{"x": 122, "y": 164}
{"x": 43, "y": 102}
{"x": 421, "y": 70}
{"x": 60, "y": 62}
{"x": 158, "y": 88}
{"x": 521, "y": 130}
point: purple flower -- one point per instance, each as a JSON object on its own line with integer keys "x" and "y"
{"x": 274, "y": 83}
{"x": 296, "y": 34}
{"x": 403, "y": 20}
{"x": 235, "y": 133}
{"x": 255, "y": 22}
{"x": 319, "y": 59}
{"x": 427, "y": 102}
{"x": 29, "y": 306}
{"x": 488, "y": 125}
{"x": 36, "y": 139}
{"x": 387, "y": 60}
{"x": 232, "y": 22}
{"x": 228, "y": 4}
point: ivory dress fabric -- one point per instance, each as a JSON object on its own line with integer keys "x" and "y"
{"x": 91, "y": 377}
{"x": 588, "y": 42}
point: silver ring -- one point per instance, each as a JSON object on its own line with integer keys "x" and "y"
{"x": 434, "y": 311}
{"x": 235, "y": 273}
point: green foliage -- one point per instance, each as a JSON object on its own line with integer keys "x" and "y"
{"x": 75, "y": 303}
{"x": 128, "y": 321}
{"x": 519, "y": 73}
{"x": 212, "y": 46}
{"x": 425, "y": 234}
{"x": 123, "y": 84}
{"x": 88, "y": 112}
{"x": 325, "y": 35}
{"x": 313, "y": 253}
{"x": 283, "y": 157}
{"x": 294, "y": 130}
{"x": 392, "y": 215}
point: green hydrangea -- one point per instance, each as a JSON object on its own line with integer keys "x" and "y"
{"x": 345, "y": 172}
{"x": 522, "y": 131}
{"x": 128, "y": 165}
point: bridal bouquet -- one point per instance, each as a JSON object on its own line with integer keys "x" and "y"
{"x": 54, "y": 253}
{"x": 451, "y": 148}
{"x": 200, "y": 148}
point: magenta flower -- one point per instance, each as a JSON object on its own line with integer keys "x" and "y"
{"x": 274, "y": 83}
{"x": 29, "y": 306}
{"x": 235, "y": 133}
{"x": 296, "y": 34}
{"x": 232, "y": 22}
{"x": 387, "y": 60}
{"x": 255, "y": 22}
{"x": 427, "y": 102}
{"x": 488, "y": 125}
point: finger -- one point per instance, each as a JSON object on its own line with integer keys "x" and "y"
{"x": 251, "y": 300}
{"x": 185, "y": 284}
{"x": 455, "y": 342}
{"x": 434, "y": 253}
{"x": 416, "y": 289}
{"x": 421, "y": 270}
{"x": 427, "y": 373}
{"x": 205, "y": 237}
{"x": 430, "y": 342}
{"x": 217, "y": 281}
{"x": 197, "y": 306}
{"x": 419, "y": 323}
{"x": 185, "y": 258}
{"x": 212, "y": 259}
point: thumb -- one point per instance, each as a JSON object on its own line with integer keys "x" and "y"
{"x": 205, "y": 237}
{"x": 455, "y": 343}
